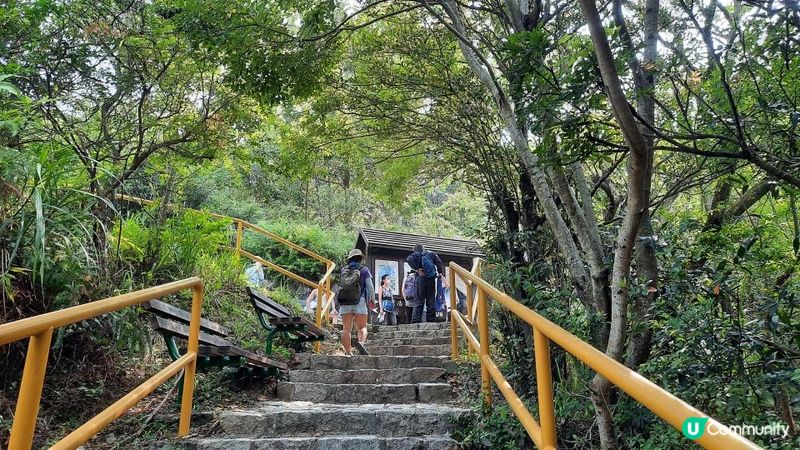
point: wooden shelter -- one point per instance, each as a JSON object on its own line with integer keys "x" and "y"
{"x": 386, "y": 252}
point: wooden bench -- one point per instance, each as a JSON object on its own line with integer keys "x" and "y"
{"x": 278, "y": 319}
{"x": 214, "y": 350}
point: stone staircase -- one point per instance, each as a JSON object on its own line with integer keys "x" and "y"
{"x": 396, "y": 398}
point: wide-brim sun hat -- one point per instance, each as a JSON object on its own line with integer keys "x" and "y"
{"x": 354, "y": 253}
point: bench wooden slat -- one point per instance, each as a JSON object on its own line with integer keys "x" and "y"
{"x": 238, "y": 352}
{"x": 267, "y": 309}
{"x": 280, "y": 310}
{"x": 167, "y": 320}
{"x": 166, "y": 310}
{"x": 255, "y": 359}
{"x": 311, "y": 327}
{"x": 207, "y": 350}
{"x": 180, "y": 330}
{"x": 301, "y": 333}
{"x": 282, "y": 319}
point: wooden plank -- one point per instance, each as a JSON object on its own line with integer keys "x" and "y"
{"x": 207, "y": 350}
{"x": 180, "y": 330}
{"x": 406, "y": 241}
{"x": 254, "y": 358}
{"x": 256, "y": 296}
{"x": 172, "y": 312}
{"x": 302, "y": 334}
{"x": 282, "y": 317}
{"x": 272, "y": 304}
{"x": 311, "y": 326}
{"x": 288, "y": 321}
{"x": 316, "y": 330}
{"x": 296, "y": 329}
{"x": 268, "y": 310}
{"x": 311, "y": 329}
{"x": 232, "y": 351}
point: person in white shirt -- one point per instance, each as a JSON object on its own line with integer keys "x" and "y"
{"x": 255, "y": 274}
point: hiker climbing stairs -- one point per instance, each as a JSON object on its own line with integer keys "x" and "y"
{"x": 395, "y": 398}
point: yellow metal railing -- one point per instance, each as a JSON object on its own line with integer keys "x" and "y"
{"x": 323, "y": 286}
{"x": 543, "y": 433}
{"x": 39, "y": 330}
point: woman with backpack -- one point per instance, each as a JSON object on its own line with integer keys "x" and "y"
{"x": 356, "y": 287}
{"x": 388, "y": 311}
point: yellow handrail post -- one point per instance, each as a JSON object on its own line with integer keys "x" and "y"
{"x": 239, "y": 232}
{"x": 671, "y": 409}
{"x": 544, "y": 384}
{"x": 476, "y": 270}
{"x": 483, "y": 327}
{"x": 328, "y": 293}
{"x": 191, "y": 368}
{"x": 453, "y": 312}
{"x": 470, "y": 301}
{"x": 317, "y": 345}
{"x": 30, "y": 391}
{"x": 39, "y": 330}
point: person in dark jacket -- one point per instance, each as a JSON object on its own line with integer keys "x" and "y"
{"x": 425, "y": 282}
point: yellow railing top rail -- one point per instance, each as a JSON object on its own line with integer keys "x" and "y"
{"x": 23, "y": 328}
{"x": 328, "y": 273}
{"x": 40, "y": 331}
{"x": 283, "y": 241}
{"x": 665, "y": 405}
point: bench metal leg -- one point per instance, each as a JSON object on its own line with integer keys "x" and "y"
{"x": 270, "y": 338}
{"x": 180, "y": 390}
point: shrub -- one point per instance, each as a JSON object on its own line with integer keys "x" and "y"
{"x": 186, "y": 244}
{"x": 331, "y": 243}
{"x": 285, "y": 297}
{"x": 499, "y": 429}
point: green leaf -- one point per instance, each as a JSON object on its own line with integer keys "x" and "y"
{"x": 9, "y": 88}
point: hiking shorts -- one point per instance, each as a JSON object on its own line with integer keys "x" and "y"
{"x": 358, "y": 308}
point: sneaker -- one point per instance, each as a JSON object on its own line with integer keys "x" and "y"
{"x": 361, "y": 349}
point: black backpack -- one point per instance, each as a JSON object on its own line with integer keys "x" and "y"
{"x": 350, "y": 282}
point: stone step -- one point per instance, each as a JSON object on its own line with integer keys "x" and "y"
{"x": 404, "y": 334}
{"x": 316, "y": 361}
{"x": 381, "y": 341}
{"x": 410, "y": 334}
{"x": 408, "y": 350}
{"x": 368, "y": 376}
{"x": 405, "y": 327}
{"x": 299, "y": 419}
{"x": 354, "y": 442}
{"x": 365, "y": 393}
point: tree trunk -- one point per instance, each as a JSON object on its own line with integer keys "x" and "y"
{"x": 646, "y": 262}
{"x": 530, "y": 162}
{"x": 589, "y": 240}
{"x": 637, "y": 172}
{"x": 647, "y": 274}
{"x": 530, "y": 218}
